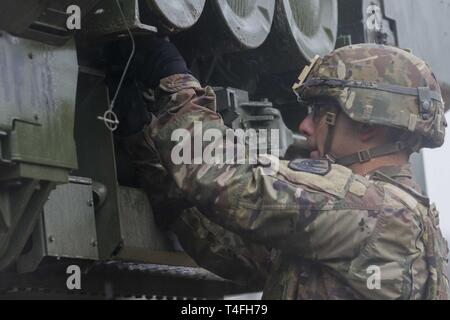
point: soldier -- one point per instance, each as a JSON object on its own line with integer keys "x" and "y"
{"x": 349, "y": 223}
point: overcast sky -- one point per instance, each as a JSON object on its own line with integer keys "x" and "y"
{"x": 437, "y": 172}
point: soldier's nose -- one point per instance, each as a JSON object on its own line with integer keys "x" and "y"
{"x": 307, "y": 126}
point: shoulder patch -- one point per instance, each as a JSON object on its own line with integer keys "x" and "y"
{"x": 336, "y": 181}
{"x": 320, "y": 167}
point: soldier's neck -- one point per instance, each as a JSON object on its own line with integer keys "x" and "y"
{"x": 396, "y": 159}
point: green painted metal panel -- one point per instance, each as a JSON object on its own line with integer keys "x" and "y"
{"x": 37, "y": 102}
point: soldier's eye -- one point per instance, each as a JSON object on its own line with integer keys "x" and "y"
{"x": 318, "y": 109}
{"x": 315, "y": 111}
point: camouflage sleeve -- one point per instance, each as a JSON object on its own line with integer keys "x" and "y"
{"x": 221, "y": 251}
{"x": 211, "y": 246}
{"x": 301, "y": 213}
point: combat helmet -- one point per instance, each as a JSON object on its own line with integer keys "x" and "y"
{"x": 378, "y": 85}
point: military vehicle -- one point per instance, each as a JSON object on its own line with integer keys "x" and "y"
{"x": 68, "y": 197}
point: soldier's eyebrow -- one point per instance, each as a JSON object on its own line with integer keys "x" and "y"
{"x": 326, "y": 104}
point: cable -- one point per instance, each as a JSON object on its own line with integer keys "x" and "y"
{"x": 109, "y": 117}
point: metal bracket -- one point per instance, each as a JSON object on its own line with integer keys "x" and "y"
{"x": 106, "y": 20}
{"x": 364, "y": 156}
{"x": 3, "y": 134}
{"x": 330, "y": 118}
{"x": 425, "y": 103}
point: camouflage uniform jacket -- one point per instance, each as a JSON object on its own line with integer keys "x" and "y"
{"x": 297, "y": 234}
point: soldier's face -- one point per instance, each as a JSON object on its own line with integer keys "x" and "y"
{"x": 347, "y": 137}
{"x": 315, "y": 129}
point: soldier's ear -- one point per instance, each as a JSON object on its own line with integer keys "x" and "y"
{"x": 369, "y": 132}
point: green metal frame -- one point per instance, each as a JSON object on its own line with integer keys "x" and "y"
{"x": 37, "y": 109}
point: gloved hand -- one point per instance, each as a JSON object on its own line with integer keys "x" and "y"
{"x": 155, "y": 58}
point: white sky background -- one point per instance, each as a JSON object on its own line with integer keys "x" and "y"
{"x": 423, "y": 27}
{"x": 437, "y": 173}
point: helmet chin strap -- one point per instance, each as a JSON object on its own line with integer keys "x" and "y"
{"x": 330, "y": 120}
{"x": 363, "y": 155}
{"x": 375, "y": 152}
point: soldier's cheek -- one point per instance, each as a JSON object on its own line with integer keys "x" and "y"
{"x": 315, "y": 154}
{"x": 318, "y": 143}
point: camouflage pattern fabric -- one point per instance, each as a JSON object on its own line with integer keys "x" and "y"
{"x": 299, "y": 235}
{"x": 370, "y": 72}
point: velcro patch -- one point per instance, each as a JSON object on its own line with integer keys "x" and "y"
{"x": 315, "y": 166}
